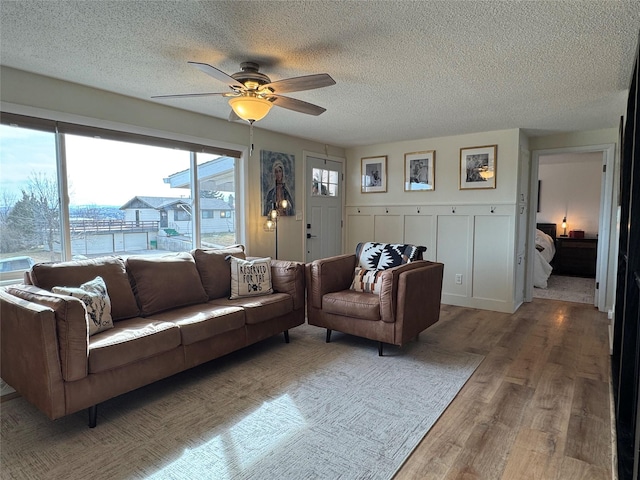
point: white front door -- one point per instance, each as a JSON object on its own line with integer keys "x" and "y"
{"x": 323, "y": 208}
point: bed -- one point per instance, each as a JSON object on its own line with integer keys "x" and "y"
{"x": 544, "y": 252}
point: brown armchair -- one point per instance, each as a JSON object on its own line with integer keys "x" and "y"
{"x": 407, "y": 303}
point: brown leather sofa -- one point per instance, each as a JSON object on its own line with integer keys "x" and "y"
{"x": 407, "y": 303}
{"x": 169, "y": 313}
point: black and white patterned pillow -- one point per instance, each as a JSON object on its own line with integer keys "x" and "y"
{"x": 380, "y": 256}
{"x": 97, "y": 303}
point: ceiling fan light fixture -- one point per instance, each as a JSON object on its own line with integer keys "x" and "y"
{"x": 250, "y": 109}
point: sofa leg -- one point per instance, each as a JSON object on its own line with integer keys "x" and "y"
{"x": 93, "y": 416}
{"x": 380, "y": 344}
{"x": 286, "y": 336}
{"x": 328, "y": 340}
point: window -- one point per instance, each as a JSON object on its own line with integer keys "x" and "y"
{"x": 29, "y": 200}
{"x": 116, "y": 193}
{"x": 325, "y": 182}
{"x": 181, "y": 215}
{"x": 127, "y": 193}
{"x": 217, "y": 188}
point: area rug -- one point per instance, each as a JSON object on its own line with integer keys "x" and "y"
{"x": 304, "y": 410}
{"x": 568, "y": 289}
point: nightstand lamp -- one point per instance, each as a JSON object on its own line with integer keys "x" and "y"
{"x": 564, "y": 227}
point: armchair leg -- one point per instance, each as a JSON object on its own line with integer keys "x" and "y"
{"x": 380, "y": 344}
{"x": 286, "y": 336}
{"x": 328, "y": 336}
{"x": 93, "y": 416}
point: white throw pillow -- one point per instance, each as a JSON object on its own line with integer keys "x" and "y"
{"x": 97, "y": 303}
{"x": 250, "y": 277}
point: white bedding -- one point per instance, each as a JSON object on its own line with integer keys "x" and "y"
{"x": 544, "y": 252}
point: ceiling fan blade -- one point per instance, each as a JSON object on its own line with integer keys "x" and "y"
{"x": 180, "y": 95}
{"x": 297, "y": 105}
{"x": 298, "y": 84}
{"x": 217, "y": 74}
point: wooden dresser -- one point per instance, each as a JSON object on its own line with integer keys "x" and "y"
{"x": 575, "y": 256}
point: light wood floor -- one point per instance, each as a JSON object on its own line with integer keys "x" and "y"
{"x": 538, "y": 407}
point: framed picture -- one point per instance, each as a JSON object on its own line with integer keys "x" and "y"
{"x": 277, "y": 182}
{"x": 374, "y": 174}
{"x": 478, "y": 167}
{"x": 419, "y": 171}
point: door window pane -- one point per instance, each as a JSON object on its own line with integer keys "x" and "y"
{"x": 325, "y": 182}
{"x": 29, "y": 201}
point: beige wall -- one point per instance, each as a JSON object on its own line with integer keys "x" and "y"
{"x": 575, "y": 139}
{"x": 26, "y": 93}
{"x": 447, "y": 170}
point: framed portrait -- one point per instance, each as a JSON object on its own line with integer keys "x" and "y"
{"x": 478, "y": 167}
{"x": 374, "y": 174}
{"x": 419, "y": 171}
{"x": 277, "y": 182}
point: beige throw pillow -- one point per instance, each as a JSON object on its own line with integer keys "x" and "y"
{"x": 250, "y": 277}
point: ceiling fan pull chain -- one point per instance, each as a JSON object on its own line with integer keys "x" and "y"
{"x": 250, "y": 138}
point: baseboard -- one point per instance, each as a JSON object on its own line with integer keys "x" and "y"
{"x": 9, "y": 396}
{"x": 614, "y": 435}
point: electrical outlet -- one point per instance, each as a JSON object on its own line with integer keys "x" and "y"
{"x": 458, "y": 278}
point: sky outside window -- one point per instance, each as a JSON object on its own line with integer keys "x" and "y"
{"x": 108, "y": 172}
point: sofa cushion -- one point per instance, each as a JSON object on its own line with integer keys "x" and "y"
{"x": 214, "y": 269}
{"x": 380, "y": 256}
{"x": 93, "y": 295}
{"x": 262, "y": 308}
{"x": 77, "y": 272}
{"x": 366, "y": 280}
{"x": 202, "y": 321}
{"x": 129, "y": 341}
{"x": 164, "y": 282}
{"x": 352, "y": 304}
{"x": 250, "y": 278}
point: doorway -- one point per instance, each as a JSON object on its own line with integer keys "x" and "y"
{"x": 323, "y": 206}
{"x": 600, "y": 226}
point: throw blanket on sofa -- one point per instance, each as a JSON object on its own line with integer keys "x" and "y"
{"x": 380, "y": 256}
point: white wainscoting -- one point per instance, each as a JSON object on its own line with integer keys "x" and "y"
{"x": 475, "y": 242}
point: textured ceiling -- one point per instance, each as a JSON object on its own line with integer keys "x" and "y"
{"x": 404, "y": 70}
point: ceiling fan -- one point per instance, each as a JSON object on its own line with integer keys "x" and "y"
{"x": 252, "y": 93}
